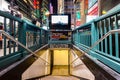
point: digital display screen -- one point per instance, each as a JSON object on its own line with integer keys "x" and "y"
{"x": 57, "y": 21}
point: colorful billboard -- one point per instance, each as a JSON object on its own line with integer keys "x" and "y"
{"x": 55, "y": 36}
{"x": 92, "y": 12}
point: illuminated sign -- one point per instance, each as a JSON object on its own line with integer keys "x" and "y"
{"x": 60, "y": 21}
{"x": 78, "y": 22}
{"x": 60, "y": 36}
{"x": 93, "y": 10}
{"x": 36, "y": 4}
{"x": 36, "y": 7}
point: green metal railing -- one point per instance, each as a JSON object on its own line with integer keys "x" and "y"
{"x": 31, "y": 36}
{"x": 108, "y": 50}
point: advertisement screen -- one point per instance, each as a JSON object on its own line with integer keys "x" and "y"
{"x": 60, "y": 21}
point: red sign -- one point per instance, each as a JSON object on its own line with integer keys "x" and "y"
{"x": 36, "y": 4}
{"x": 93, "y": 10}
{"x": 78, "y": 22}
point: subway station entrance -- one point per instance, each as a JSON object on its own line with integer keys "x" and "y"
{"x": 89, "y": 52}
{"x": 60, "y": 62}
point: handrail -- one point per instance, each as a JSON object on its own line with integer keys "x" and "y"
{"x": 98, "y": 41}
{"x": 10, "y": 16}
{"x": 10, "y": 37}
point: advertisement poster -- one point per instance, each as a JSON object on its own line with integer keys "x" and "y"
{"x": 92, "y": 12}
{"x": 60, "y": 36}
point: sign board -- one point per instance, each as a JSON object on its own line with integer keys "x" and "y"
{"x": 55, "y": 36}
{"x": 90, "y": 17}
{"x": 91, "y": 3}
{"x": 92, "y": 13}
{"x": 60, "y": 21}
{"x": 78, "y": 22}
{"x": 93, "y": 10}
